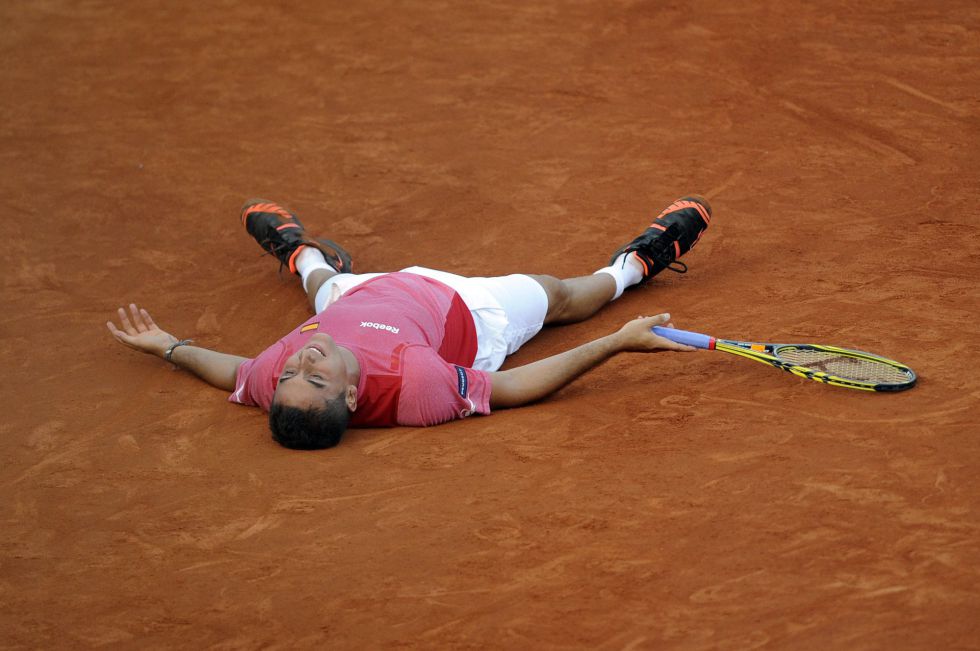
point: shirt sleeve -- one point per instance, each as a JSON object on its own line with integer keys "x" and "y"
{"x": 242, "y": 394}
{"x": 254, "y": 385}
{"x": 434, "y": 391}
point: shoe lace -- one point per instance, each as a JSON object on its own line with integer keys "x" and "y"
{"x": 662, "y": 255}
{"x": 674, "y": 265}
{"x": 274, "y": 251}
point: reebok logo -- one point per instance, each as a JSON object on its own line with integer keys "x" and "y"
{"x": 379, "y": 326}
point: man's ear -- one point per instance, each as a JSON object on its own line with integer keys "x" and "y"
{"x": 351, "y": 397}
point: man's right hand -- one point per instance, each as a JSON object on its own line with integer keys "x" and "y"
{"x": 637, "y": 336}
{"x": 141, "y": 332}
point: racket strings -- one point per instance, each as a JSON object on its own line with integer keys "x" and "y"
{"x": 844, "y": 366}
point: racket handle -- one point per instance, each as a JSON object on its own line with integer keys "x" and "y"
{"x": 684, "y": 337}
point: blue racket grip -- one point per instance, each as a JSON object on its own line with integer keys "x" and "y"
{"x": 695, "y": 339}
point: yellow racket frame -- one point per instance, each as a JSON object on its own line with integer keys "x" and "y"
{"x": 767, "y": 354}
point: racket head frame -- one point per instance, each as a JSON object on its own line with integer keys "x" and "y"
{"x": 768, "y": 353}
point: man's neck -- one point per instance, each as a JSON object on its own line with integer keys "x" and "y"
{"x": 353, "y": 368}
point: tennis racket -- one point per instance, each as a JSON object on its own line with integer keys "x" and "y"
{"x": 852, "y": 369}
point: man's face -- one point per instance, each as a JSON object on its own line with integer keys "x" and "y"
{"x": 314, "y": 373}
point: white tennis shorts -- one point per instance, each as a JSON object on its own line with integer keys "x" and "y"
{"x": 507, "y": 310}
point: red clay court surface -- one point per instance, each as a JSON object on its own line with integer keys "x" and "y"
{"x": 686, "y": 501}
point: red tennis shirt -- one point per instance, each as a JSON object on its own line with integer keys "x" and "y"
{"x": 414, "y": 340}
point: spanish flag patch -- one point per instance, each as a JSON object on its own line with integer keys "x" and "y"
{"x": 310, "y": 326}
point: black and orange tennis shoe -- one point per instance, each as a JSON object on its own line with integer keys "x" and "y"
{"x": 673, "y": 233}
{"x": 281, "y": 233}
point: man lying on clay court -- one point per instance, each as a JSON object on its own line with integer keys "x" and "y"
{"x": 419, "y": 346}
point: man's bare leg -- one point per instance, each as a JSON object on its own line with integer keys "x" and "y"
{"x": 576, "y": 299}
{"x": 674, "y": 232}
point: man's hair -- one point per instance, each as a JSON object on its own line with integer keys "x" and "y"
{"x": 310, "y": 429}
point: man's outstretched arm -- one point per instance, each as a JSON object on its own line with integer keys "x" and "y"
{"x": 141, "y": 333}
{"x": 532, "y": 382}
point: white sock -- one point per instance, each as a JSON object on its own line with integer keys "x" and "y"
{"x": 308, "y": 261}
{"x": 625, "y": 270}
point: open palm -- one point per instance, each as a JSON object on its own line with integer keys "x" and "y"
{"x": 140, "y": 332}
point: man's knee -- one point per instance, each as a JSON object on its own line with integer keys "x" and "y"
{"x": 559, "y": 297}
